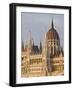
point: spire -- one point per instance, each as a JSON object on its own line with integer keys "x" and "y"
{"x": 26, "y": 45}
{"x": 29, "y": 35}
{"x": 52, "y": 25}
{"x": 40, "y": 46}
{"x": 33, "y": 42}
{"x": 30, "y": 39}
{"x": 22, "y": 46}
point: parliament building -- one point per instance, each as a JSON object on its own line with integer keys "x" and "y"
{"x": 44, "y": 60}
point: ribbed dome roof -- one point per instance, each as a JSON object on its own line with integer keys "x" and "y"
{"x": 52, "y": 33}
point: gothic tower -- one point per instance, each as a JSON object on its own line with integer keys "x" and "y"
{"x": 53, "y": 45}
{"x": 53, "y": 40}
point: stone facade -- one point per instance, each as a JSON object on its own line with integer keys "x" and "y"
{"x": 46, "y": 60}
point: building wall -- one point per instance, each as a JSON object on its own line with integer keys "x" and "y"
{"x": 36, "y": 66}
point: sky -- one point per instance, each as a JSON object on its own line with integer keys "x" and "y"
{"x": 37, "y": 24}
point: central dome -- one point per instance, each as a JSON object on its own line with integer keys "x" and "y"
{"x": 52, "y": 33}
